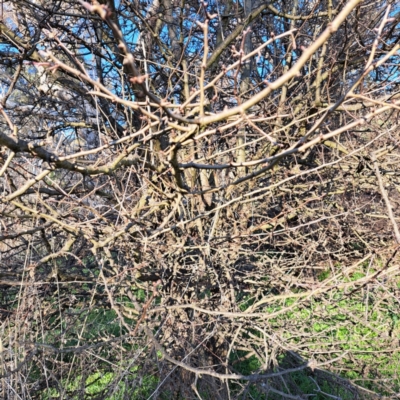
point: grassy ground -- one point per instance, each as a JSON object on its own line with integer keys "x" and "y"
{"x": 362, "y": 332}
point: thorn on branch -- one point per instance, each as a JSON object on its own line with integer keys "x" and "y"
{"x": 236, "y": 53}
{"x": 215, "y": 97}
{"x": 41, "y": 64}
{"x": 86, "y": 5}
{"x": 293, "y": 42}
{"x": 245, "y": 32}
{"x": 208, "y": 15}
{"x": 138, "y": 79}
{"x": 101, "y": 9}
{"x": 201, "y": 24}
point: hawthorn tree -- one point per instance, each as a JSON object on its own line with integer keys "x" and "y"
{"x": 198, "y": 200}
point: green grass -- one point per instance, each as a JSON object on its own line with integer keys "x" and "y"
{"x": 97, "y": 385}
{"x": 363, "y": 327}
{"x": 359, "y": 325}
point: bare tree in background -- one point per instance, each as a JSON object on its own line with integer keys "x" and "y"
{"x": 199, "y": 201}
